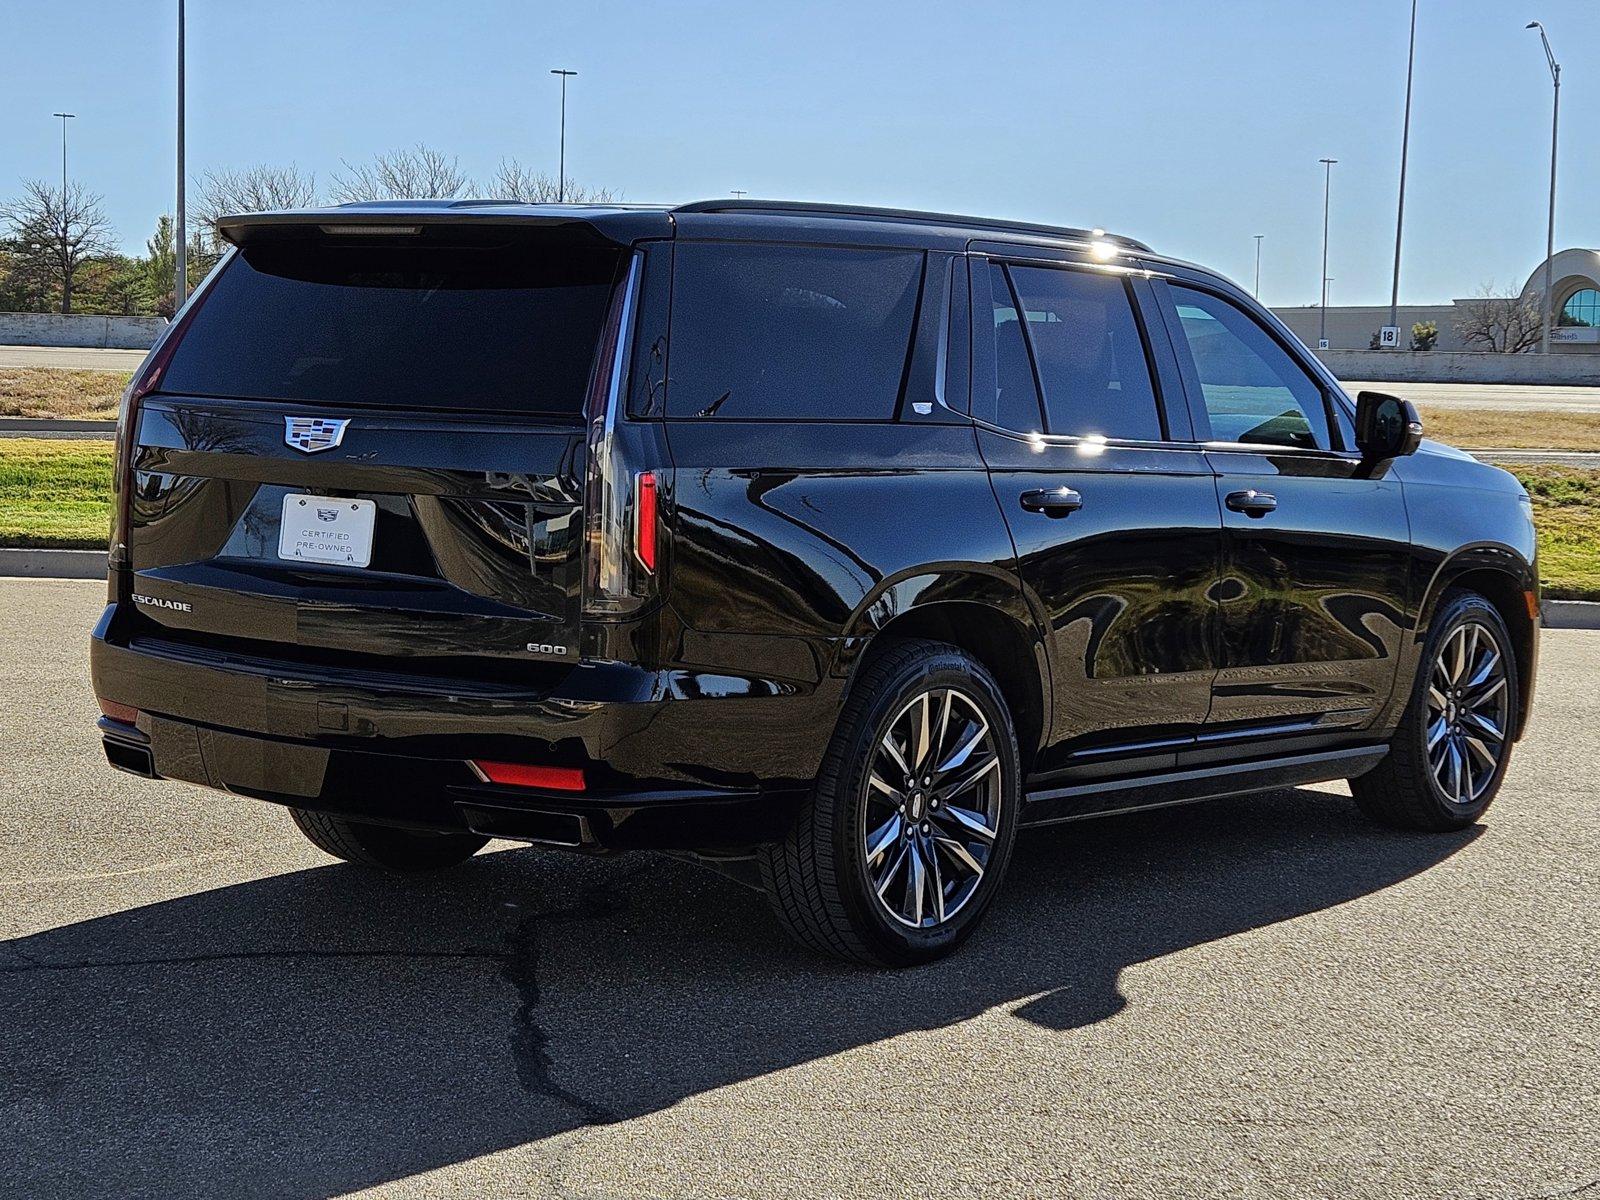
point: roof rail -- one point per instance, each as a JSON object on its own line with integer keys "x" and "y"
{"x": 869, "y": 213}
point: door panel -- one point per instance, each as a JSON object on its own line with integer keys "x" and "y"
{"x": 1313, "y": 595}
{"x": 1121, "y": 587}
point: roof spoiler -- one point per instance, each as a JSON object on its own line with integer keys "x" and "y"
{"x": 615, "y": 225}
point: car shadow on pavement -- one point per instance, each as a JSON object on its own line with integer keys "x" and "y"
{"x": 329, "y": 1029}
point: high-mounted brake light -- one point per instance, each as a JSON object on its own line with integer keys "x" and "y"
{"x": 644, "y": 520}
{"x": 552, "y": 779}
{"x": 371, "y": 230}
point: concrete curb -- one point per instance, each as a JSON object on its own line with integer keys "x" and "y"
{"x": 27, "y": 562}
{"x": 52, "y": 425}
{"x": 1572, "y": 614}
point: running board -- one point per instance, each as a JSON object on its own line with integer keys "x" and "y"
{"x": 1101, "y": 798}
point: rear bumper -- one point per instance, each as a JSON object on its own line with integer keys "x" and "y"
{"x": 672, "y": 759}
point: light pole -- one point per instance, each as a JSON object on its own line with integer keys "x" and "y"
{"x": 180, "y": 233}
{"x": 1258, "y": 238}
{"x": 1550, "y": 231}
{"x": 561, "y": 170}
{"x": 1405, "y": 147}
{"x": 66, "y": 232}
{"x": 1327, "y": 187}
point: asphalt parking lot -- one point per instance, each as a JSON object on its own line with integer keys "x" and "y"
{"x": 1262, "y": 996}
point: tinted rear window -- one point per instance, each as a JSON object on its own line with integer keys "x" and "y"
{"x": 790, "y": 332}
{"x": 507, "y": 326}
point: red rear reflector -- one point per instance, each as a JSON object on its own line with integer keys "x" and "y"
{"x": 125, "y": 713}
{"x": 556, "y": 779}
{"x": 644, "y": 520}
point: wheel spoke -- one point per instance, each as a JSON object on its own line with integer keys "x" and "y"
{"x": 964, "y": 752}
{"x": 875, "y": 780}
{"x": 916, "y": 883}
{"x": 1437, "y": 699}
{"x": 1456, "y": 765}
{"x": 960, "y": 854}
{"x": 1486, "y": 693}
{"x": 1436, "y": 731}
{"x": 883, "y": 881}
{"x": 1483, "y": 724}
{"x": 935, "y": 885}
{"x": 1458, "y": 654}
{"x": 881, "y": 840}
{"x": 970, "y": 779}
{"x": 888, "y": 746}
{"x": 1484, "y": 755}
{"x": 969, "y": 822}
{"x": 1486, "y": 669}
{"x": 922, "y": 729}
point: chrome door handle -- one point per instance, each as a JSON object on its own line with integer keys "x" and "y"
{"x": 1252, "y": 503}
{"x": 1053, "y": 502}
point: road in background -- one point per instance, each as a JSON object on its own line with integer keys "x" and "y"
{"x": 71, "y": 358}
{"x": 1504, "y": 397}
{"x": 1262, "y": 996}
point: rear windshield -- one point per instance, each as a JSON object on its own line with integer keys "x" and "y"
{"x": 435, "y": 325}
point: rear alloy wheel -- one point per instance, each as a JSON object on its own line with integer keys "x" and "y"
{"x": 1449, "y": 755}
{"x": 932, "y": 809}
{"x": 383, "y": 846}
{"x": 907, "y": 834}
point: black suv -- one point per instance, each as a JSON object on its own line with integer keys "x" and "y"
{"x": 829, "y": 545}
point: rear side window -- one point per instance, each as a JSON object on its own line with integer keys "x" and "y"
{"x": 1088, "y": 351}
{"x": 768, "y": 332}
{"x": 1254, "y": 392}
{"x": 435, "y": 325}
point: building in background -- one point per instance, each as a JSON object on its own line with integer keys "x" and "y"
{"x": 1577, "y": 290}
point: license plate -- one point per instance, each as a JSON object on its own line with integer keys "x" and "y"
{"x": 324, "y": 529}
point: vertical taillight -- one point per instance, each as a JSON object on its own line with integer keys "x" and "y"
{"x": 620, "y": 505}
{"x": 145, "y": 380}
{"x": 644, "y": 520}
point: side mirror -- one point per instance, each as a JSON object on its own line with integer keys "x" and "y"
{"x": 1386, "y": 427}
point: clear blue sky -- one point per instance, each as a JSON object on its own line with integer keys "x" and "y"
{"x": 1193, "y": 124}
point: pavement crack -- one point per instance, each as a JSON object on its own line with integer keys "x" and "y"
{"x": 530, "y": 1044}
{"x": 35, "y": 964}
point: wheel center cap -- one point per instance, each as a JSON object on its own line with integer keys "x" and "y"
{"x": 915, "y": 807}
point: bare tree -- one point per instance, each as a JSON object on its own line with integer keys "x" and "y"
{"x": 416, "y": 174}
{"x": 513, "y": 181}
{"x": 55, "y": 233}
{"x": 1499, "y": 322}
{"x": 251, "y": 189}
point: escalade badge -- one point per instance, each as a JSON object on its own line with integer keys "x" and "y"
{"x": 311, "y": 434}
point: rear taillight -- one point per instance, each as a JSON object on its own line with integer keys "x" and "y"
{"x": 145, "y": 380}
{"x": 550, "y": 779}
{"x": 621, "y": 516}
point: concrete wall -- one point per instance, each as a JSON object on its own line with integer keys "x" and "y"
{"x": 1352, "y": 326}
{"x": 53, "y": 329}
{"x": 1438, "y": 366}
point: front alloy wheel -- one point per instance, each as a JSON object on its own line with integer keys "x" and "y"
{"x": 1468, "y": 713}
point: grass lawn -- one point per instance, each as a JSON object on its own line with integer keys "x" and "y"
{"x": 58, "y": 493}
{"x": 55, "y": 493}
{"x": 51, "y": 392}
{"x": 1491, "y": 429}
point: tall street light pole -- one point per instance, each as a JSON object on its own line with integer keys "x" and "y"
{"x": 66, "y": 231}
{"x": 180, "y": 289}
{"x": 65, "y": 117}
{"x": 1258, "y": 238}
{"x": 1550, "y": 231}
{"x": 1327, "y": 187}
{"x": 561, "y": 170}
{"x": 1405, "y": 148}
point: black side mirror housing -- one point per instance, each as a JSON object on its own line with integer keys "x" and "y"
{"x": 1386, "y": 427}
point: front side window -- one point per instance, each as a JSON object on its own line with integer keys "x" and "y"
{"x": 769, "y": 332}
{"x": 1255, "y": 393}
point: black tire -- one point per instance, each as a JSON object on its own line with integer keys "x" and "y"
{"x": 819, "y": 879}
{"x": 1402, "y": 790}
{"x": 384, "y": 847}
